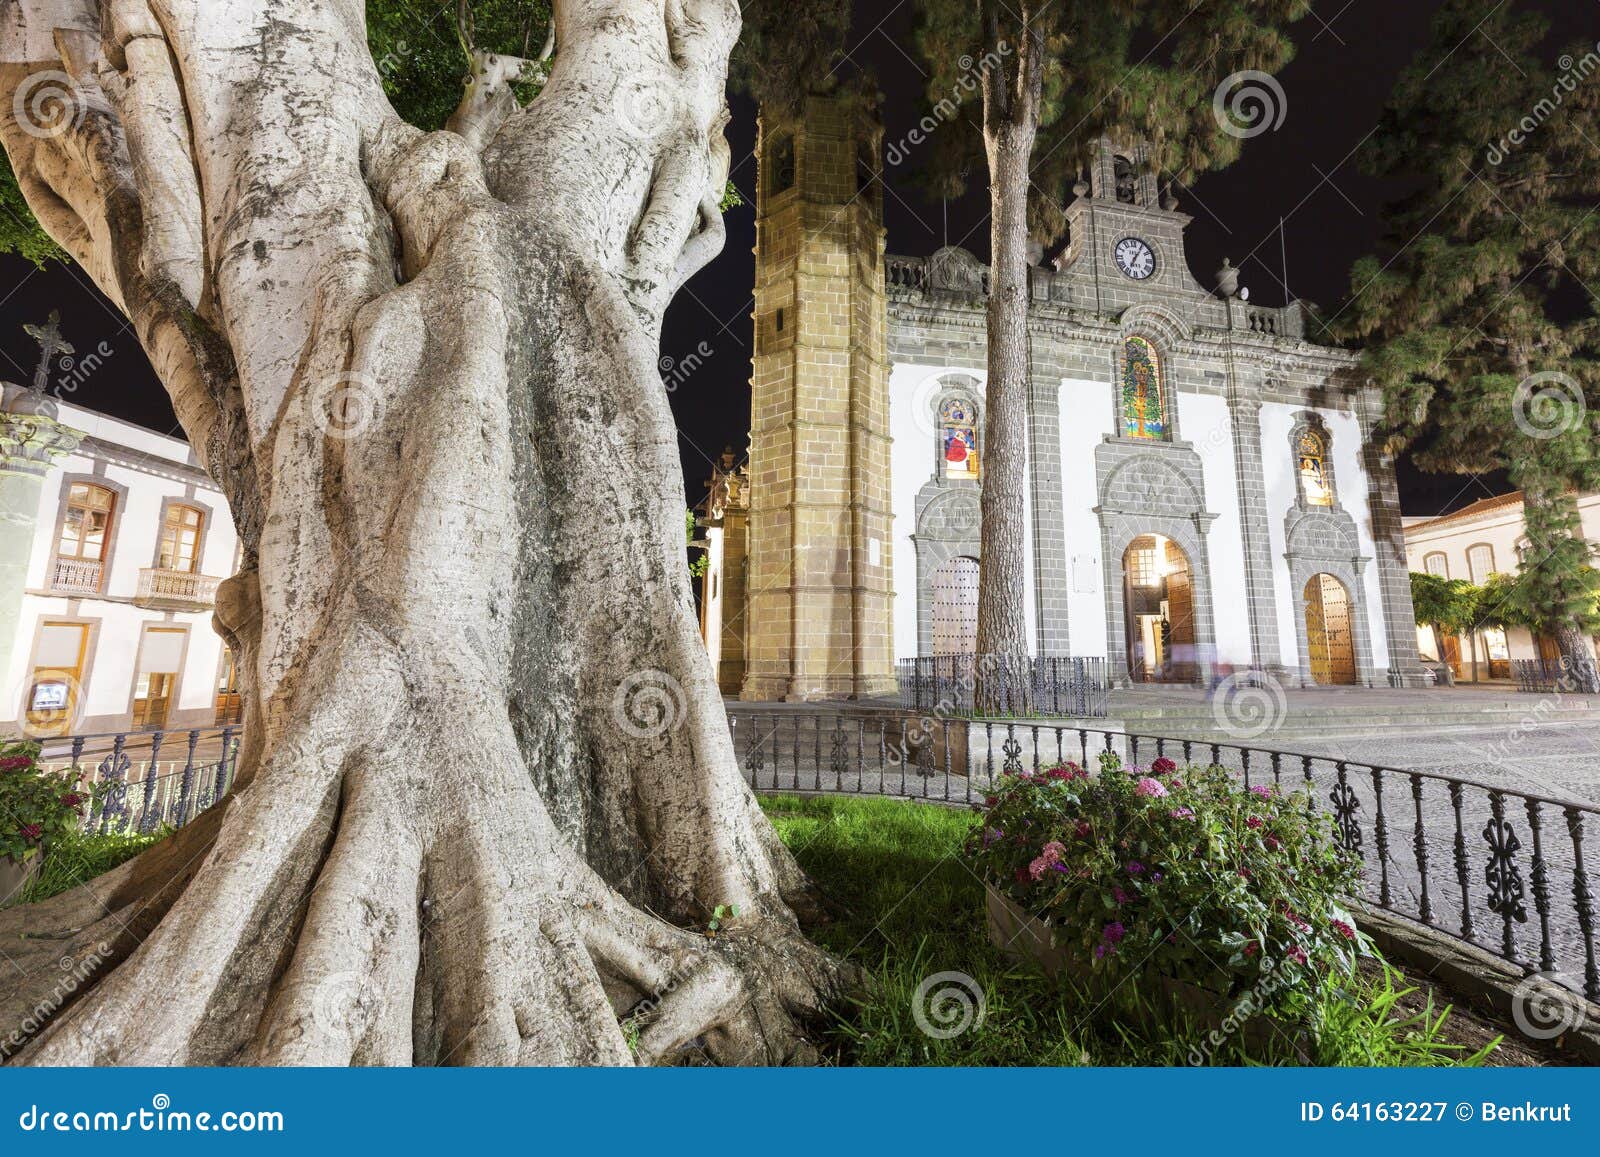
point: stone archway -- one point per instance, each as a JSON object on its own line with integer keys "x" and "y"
{"x": 1330, "y": 633}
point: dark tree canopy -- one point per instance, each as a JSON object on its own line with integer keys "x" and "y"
{"x": 1149, "y": 68}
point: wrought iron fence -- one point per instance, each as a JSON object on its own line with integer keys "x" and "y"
{"x": 1504, "y": 870}
{"x": 1056, "y": 686}
{"x": 1552, "y": 676}
{"x": 149, "y": 778}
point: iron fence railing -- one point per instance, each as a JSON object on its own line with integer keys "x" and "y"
{"x": 149, "y": 778}
{"x": 1502, "y": 869}
{"x": 1046, "y": 685}
{"x": 1552, "y": 676}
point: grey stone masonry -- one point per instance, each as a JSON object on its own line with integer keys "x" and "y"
{"x": 1050, "y": 554}
{"x": 1244, "y": 416}
{"x": 1394, "y": 575}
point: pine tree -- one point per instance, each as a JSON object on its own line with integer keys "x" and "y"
{"x": 1054, "y": 76}
{"x": 1478, "y": 319}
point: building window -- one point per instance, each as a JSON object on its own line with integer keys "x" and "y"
{"x": 156, "y": 681}
{"x": 1316, "y": 485}
{"x": 1143, "y": 406}
{"x": 180, "y": 539}
{"x": 1126, "y": 178}
{"x": 1480, "y": 562}
{"x": 958, "y": 440}
{"x": 85, "y": 537}
{"x": 1436, "y": 564}
{"x": 782, "y": 164}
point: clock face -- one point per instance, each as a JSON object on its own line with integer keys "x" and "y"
{"x": 1135, "y": 258}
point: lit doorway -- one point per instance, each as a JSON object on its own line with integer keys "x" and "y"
{"x": 1158, "y": 601}
{"x": 155, "y": 687}
{"x": 53, "y": 692}
{"x": 1328, "y": 636}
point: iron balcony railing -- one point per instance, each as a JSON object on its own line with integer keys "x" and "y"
{"x": 1504, "y": 870}
{"x": 151, "y": 778}
{"x": 157, "y": 585}
{"x": 1054, "y": 686}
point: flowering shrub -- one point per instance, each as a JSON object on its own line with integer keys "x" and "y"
{"x": 36, "y": 806}
{"x": 1174, "y": 872}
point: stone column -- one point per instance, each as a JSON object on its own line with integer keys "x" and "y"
{"x": 1394, "y": 575}
{"x": 1050, "y": 562}
{"x": 30, "y": 441}
{"x": 1244, "y": 415}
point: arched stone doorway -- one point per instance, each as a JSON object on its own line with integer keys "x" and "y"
{"x": 1330, "y": 641}
{"x": 1159, "y": 611}
{"x": 955, "y": 606}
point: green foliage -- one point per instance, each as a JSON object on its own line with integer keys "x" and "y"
{"x": 20, "y": 233}
{"x": 1144, "y": 67}
{"x": 720, "y": 916}
{"x": 37, "y": 807}
{"x": 421, "y": 57}
{"x": 908, "y": 907}
{"x": 1483, "y": 283}
{"x": 1179, "y": 873}
{"x": 1451, "y": 605}
{"x": 786, "y": 51}
{"x": 76, "y": 857}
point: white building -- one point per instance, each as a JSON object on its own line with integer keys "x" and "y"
{"x": 112, "y": 543}
{"x": 1486, "y": 538}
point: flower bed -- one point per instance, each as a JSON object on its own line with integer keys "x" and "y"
{"x": 1177, "y": 879}
{"x": 36, "y": 807}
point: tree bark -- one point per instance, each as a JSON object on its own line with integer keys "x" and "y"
{"x": 488, "y": 800}
{"x": 1010, "y": 115}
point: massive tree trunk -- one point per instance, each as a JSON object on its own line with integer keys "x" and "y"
{"x": 488, "y": 794}
{"x": 1010, "y": 124}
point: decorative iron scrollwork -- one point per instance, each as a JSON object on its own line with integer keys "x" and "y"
{"x": 839, "y": 752}
{"x": 1013, "y": 754}
{"x": 1345, "y": 806}
{"x": 755, "y": 752}
{"x": 113, "y": 770}
{"x": 1506, "y": 894}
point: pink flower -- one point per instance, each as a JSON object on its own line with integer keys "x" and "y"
{"x": 1113, "y": 933}
{"x": 1049, "y": 857}
{"x": 1297, "y": 954}
{"x": 1118, "y": 895}
{"x": 1152, "y": 788}
{"x": 1344, "y": 930}
{"x": 31, "y": 832}
{"x": 1250, "y": 949}
{"x": 1135, "y": 867}
{"x": 1253, "y": 822}
{"x": 1273, "y": 843}
{"x": 1083, "y": 830}
{"x": 1265, "y": 791}
{"x": 1163, "y": 766}
{"x": 15, "y": 762}
{"x": 1182, "y": 813}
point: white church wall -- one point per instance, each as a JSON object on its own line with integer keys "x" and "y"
{"x": 1204, "y": 422}
{"x": 1354, "y": 487}
{"x": 1086, "y": 407}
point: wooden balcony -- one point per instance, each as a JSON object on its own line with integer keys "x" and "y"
{"x": 76, "y": 576}
{"x": 176, "y": 589}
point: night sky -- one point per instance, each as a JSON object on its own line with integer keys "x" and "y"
{"x": 1305, "y": 172}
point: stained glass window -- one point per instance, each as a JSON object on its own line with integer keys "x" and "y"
{"x": 1313, "y": 454}
{"x": 1144, "y": 413}
{"x": 958, "y": 440}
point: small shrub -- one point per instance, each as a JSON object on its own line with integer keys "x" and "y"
{"x": 78, "y": 857}
{"x": 37, "y": 807}
{"x": 1178, "y": 873}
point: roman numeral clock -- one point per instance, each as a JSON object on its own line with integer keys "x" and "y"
{"x": 1135, "y": 258}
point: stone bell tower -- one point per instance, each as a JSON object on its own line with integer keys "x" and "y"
{"x": 820, "y": 580}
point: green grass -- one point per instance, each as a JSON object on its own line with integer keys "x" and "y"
{"x": 909, "y": 908}
{"x": 79, "y": 857}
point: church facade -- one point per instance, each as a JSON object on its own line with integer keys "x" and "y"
{"x": 1202, "y": 490}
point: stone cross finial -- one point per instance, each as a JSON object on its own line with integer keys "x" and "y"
{"x": 51, "y": 346}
